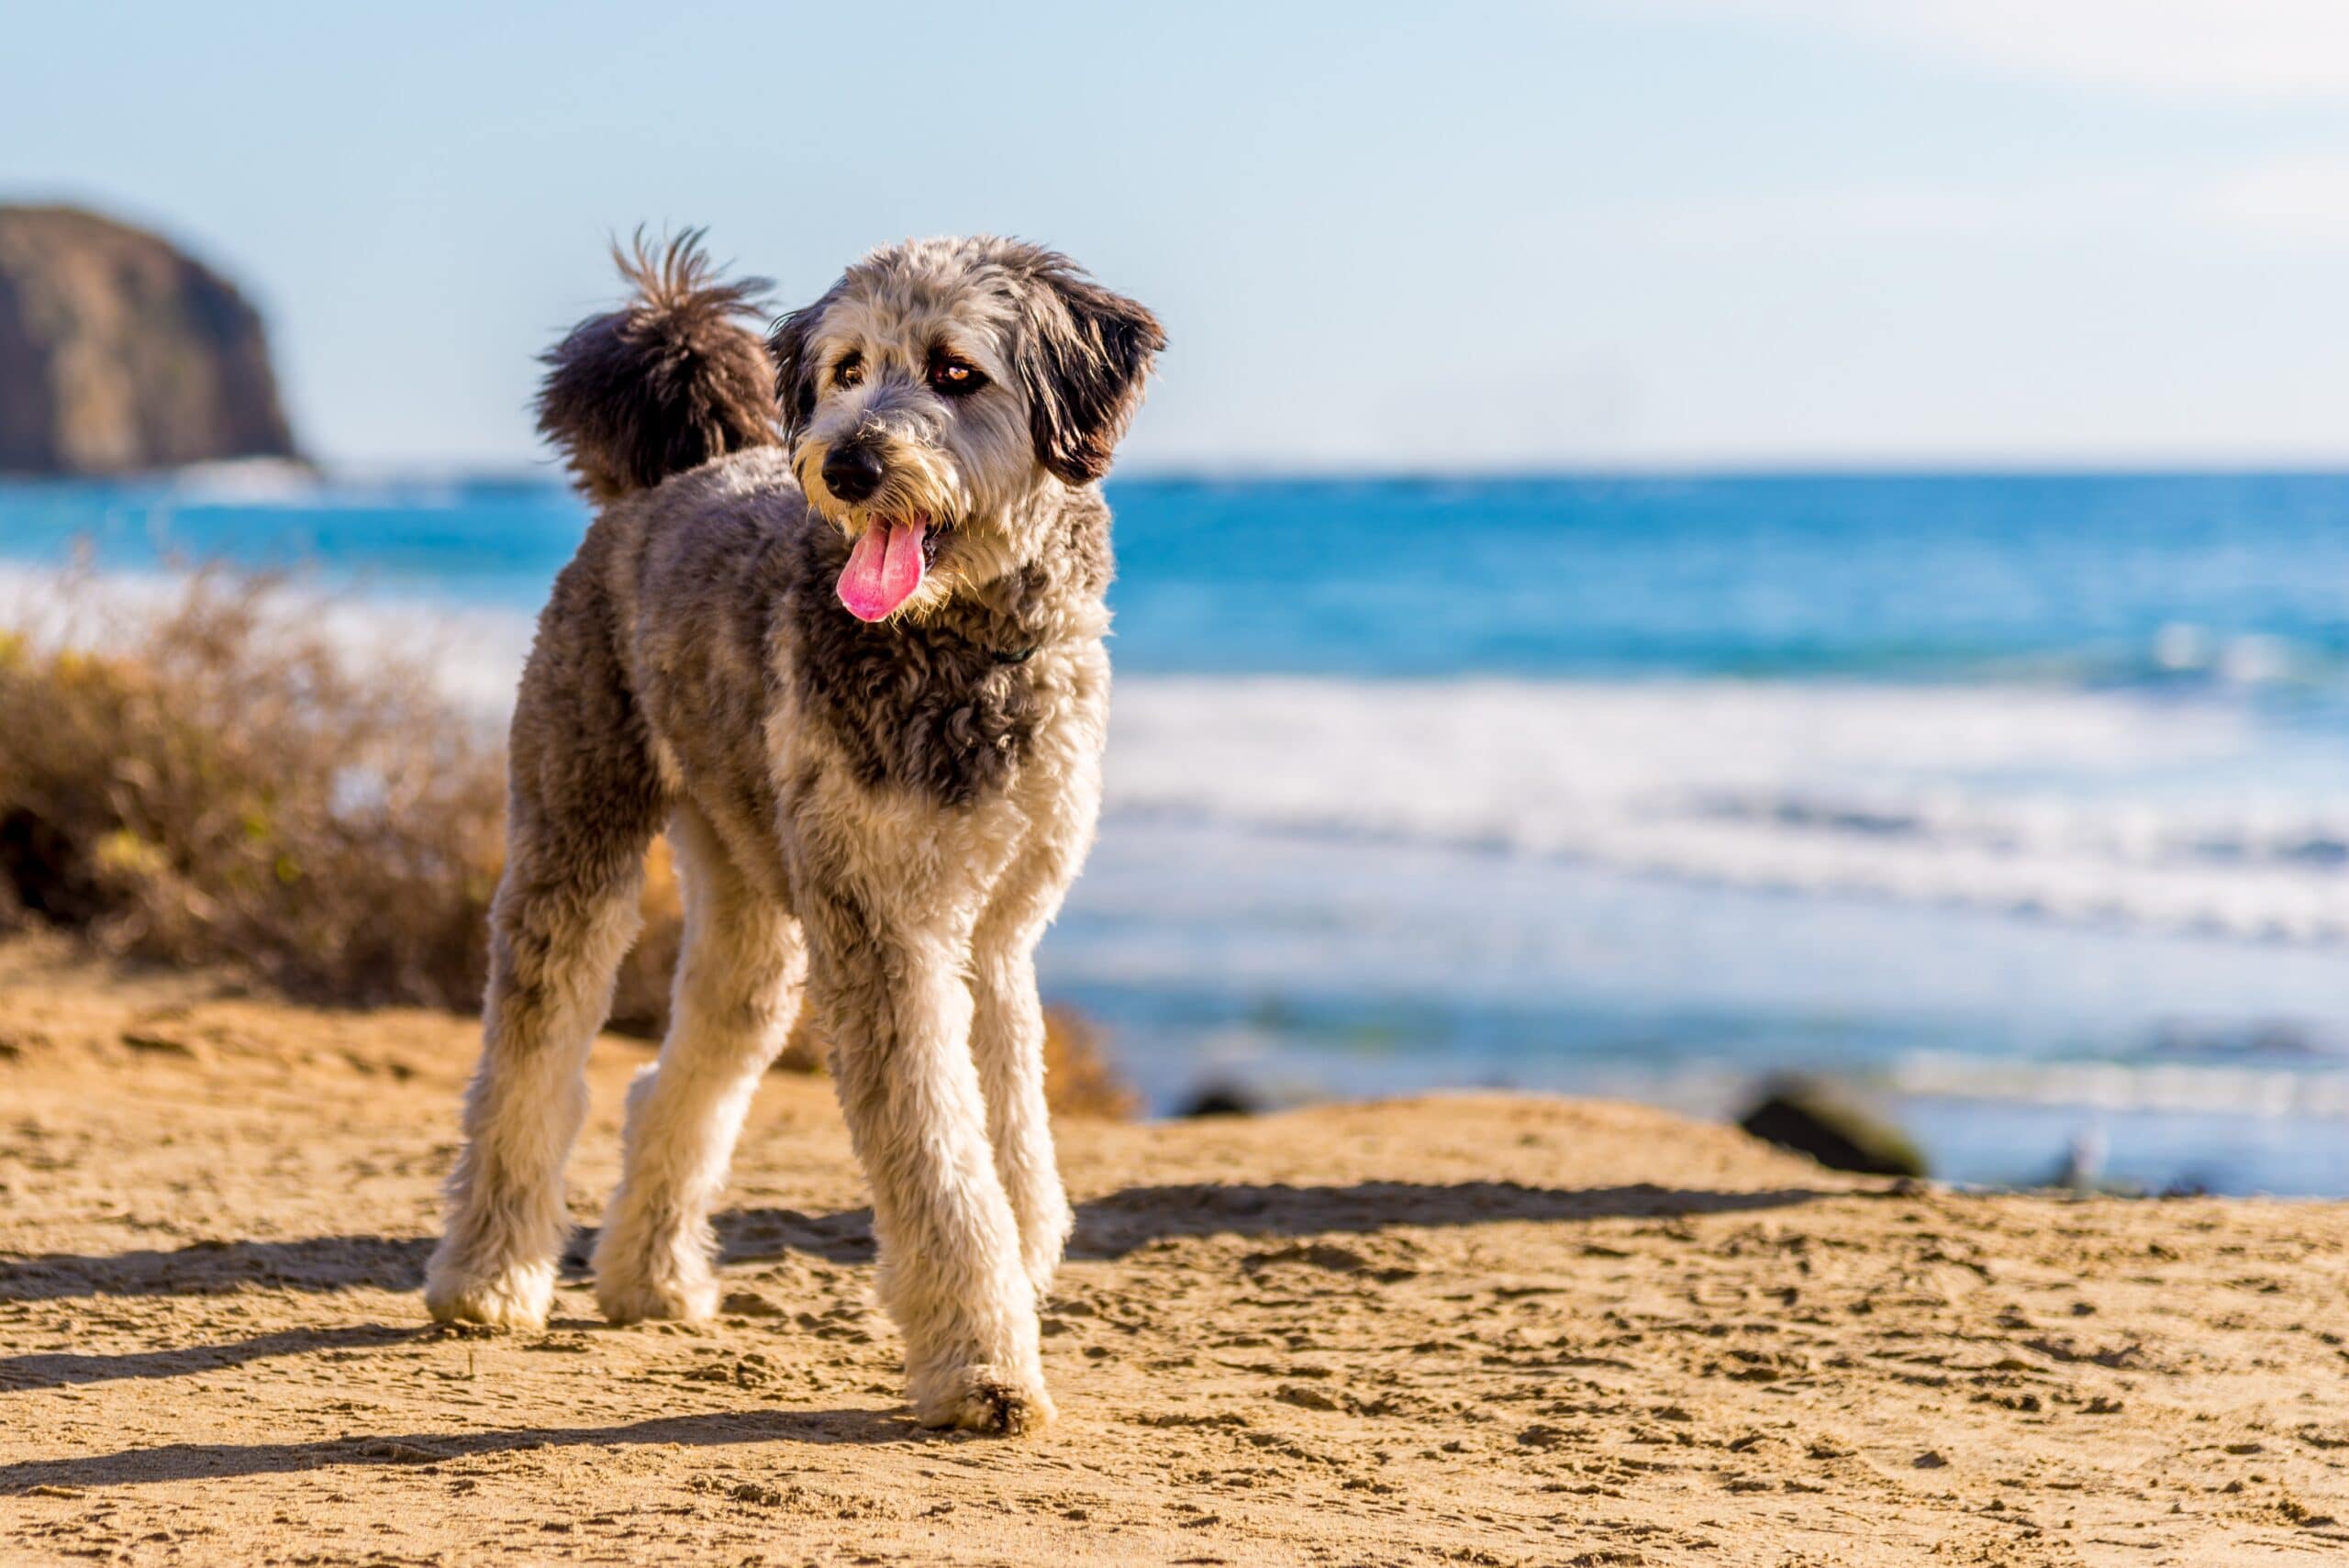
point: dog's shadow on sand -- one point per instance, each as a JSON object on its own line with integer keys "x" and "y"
{"x": 202, "y": 1462}
{"x": 62, "y": 1370}
{"x": 1107, "y": 1228}
{"x": 1115, "y": 1225}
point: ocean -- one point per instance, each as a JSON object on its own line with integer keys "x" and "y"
{"x": 2018, "y": 803}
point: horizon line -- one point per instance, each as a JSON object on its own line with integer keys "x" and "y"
{"x": 1822, "y": 466}
{"x": 2084, "y": 466}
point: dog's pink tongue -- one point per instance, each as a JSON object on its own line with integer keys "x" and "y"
{"x": 883, "y": 569}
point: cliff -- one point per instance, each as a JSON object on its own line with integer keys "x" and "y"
{"x": 119, "y": 353}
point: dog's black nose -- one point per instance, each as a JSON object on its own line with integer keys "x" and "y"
{"x": 851, "y": 472}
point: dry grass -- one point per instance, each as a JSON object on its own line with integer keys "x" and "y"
{"x": 223, "y": 786}
{"x": 224, "y": 789}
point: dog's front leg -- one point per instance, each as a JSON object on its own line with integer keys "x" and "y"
{"x": 1008, "y": 1032}
{"x": 1008, "y": 1039}
{"x": 897, "y": 1014}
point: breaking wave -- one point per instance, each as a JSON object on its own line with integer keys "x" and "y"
{"x": 2092, "y": 805}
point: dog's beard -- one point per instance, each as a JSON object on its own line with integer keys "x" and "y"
{"x": 896, "y": 535}
{"x": 947, "y": 518}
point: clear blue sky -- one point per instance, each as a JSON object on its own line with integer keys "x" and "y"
{"x": 1621, "y": 231}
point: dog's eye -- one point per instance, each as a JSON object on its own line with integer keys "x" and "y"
{"x": 953, "y": 377}
{"x": 849, "y": 372}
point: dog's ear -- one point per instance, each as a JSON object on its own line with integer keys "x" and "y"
{"x": 1083, "y": 355}
{"x": 795, "y": 373}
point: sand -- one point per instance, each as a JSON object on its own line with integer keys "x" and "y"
{"x": 1475, "y": 1329}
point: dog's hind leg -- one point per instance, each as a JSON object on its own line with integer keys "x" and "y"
{"x": 736, "y": 992}
{"x": 585, "y": 805}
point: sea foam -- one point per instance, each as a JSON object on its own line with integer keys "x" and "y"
{"x": 2069, "y": 804}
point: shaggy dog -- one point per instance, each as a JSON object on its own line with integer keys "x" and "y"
{"x": 854, "y": 667}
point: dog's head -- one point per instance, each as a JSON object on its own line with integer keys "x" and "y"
{"x": 938, "y": 391}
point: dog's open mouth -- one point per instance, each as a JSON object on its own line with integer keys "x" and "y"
{"x": 885, "y": 565}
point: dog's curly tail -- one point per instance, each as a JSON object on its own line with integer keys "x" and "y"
{"x": 669, "y": 381}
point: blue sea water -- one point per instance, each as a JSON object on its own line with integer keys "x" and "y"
{"x": 2020, "y": 802}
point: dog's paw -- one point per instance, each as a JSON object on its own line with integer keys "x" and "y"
{"x": 633, "y": 1296}
{"x": 989, "y": 1399}
{"x": 513, "y": 1297}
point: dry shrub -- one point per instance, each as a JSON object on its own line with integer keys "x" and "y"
{"x": 641, "y": 998}
{"x": 221, "y": 785}
{"x": 1077, "y": 1073}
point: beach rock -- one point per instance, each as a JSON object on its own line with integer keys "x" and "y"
{"x": 119, "y": 352}
{"x": 1813, "y": 1118}
{"x": 1224, "y": 1099}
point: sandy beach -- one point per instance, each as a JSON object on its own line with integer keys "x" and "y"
{"x": 1477, "y": 1328}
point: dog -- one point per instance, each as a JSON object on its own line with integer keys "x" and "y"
{"x": 838, "y": 627}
